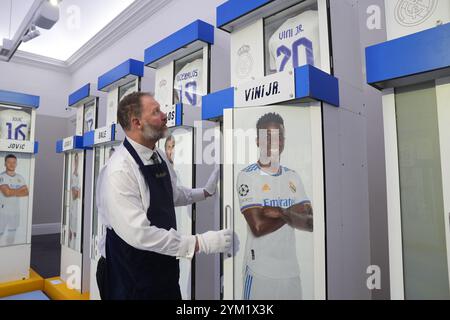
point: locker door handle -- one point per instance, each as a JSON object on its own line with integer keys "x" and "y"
{"x": 228, "y": 211}
{"x": 228, "y": 224}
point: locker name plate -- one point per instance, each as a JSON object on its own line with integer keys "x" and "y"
{"x": 17, "y": 146}
{"x": 171, "y": 115}
{"x": 68, "y": 144}
{"x": 103, "y": 135}
{"x": 273, "y": 89}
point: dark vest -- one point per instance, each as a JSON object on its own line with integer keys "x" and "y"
{"x": 135, "y": 274}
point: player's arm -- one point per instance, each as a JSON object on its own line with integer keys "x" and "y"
{"x": 299, "y": 216}
{"x": 75, "y": 193}
{"x": 22, "y": 192}
{"x": 6, "y": 191}
{"x": 264, "y": 220}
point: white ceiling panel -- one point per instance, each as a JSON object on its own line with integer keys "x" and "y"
{"x": 80, "y": 20}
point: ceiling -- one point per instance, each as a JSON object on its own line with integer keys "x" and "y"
{"x": 80, "y": 20}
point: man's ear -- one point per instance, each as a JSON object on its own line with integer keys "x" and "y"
{"x": 135, "y": 123}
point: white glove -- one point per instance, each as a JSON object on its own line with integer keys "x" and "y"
{"x": 211, "y": 185}
{"x": 215, "y": 241}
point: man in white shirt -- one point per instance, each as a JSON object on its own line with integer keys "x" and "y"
{"x": 136, "y": 196}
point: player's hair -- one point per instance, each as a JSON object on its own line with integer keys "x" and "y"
{"x": 169, "y": 138}
{"x": 10, "y": 156}
{"x": 267, "y": 119}
{"x": 131, "y": 105}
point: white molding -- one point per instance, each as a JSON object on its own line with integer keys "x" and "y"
{"x": 46, "y": 228}
{"x": 138, "y": 12}
{"x": 38, "y": 61}
{"x": 133, "y": 16}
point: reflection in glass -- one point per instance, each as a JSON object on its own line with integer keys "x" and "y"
{"x": 178, "y": 148}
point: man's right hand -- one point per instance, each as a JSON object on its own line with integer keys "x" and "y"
{"x": 215, "y": 241}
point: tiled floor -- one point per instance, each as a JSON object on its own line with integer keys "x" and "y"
{"x": 46, "y": 255}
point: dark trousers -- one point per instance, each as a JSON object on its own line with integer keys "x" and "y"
{"x": 101, "y": 277}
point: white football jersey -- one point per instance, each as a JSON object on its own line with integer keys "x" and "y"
{"x": 296, "y": 43}
{"x": 10, "y": 205}
{"x": 15, "y": 125}
{"x": 273, "y": 255}
{"x": 89, "y": 118}
{"x": 189, "y": 83}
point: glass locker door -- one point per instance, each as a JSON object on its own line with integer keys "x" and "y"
{"x": 99, "y": 161}
{"x": 422, "y": 120}
{"x": 179, "y": 150}
{"x": 273, "y": 200}
{"x": 66, "y": 200}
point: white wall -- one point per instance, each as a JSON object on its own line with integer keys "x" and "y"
{"x": 51, "y": 86}
{"x": 170, "y": 19}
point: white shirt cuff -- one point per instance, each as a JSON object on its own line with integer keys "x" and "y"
{"x": 187, "y": 247}
{"x": 198, "y": 195}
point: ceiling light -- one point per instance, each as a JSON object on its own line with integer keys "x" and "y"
{"x": 43, "y": 14}
{"x": 54, "y": 2}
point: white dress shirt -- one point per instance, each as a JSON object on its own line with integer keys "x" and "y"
{"x": 123, "y": 198}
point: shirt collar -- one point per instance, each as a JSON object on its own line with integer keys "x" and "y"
{"x": 263, "y": 171}
{"x": 144, "y": 152}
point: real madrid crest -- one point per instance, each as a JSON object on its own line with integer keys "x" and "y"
{"x": 410, "y": 13}
{"x": 162, "y": 90}
{"x": 244, "y": 65}
{"x": 266, "y": 188}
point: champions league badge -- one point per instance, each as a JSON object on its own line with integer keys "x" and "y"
{"x": 243, "y": 190}
{"x": 410, "y": 13}
{"x": 244, "y": 63}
